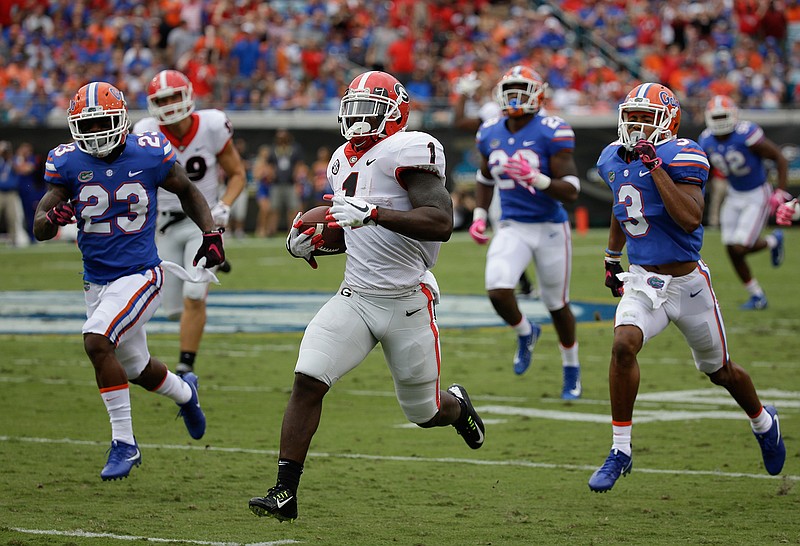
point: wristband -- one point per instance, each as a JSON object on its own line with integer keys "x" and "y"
{"x": 613, "y": 253}
{"x": 219, "y": 230}
{"x": 541, "y": 181}
{"x": 479, "y": 214}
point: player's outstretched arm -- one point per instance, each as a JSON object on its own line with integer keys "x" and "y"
{"x": 54, "y": 210}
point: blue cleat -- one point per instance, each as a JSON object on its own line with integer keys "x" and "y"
{"x": 772, "y": 449}
{"x": 755, "y": 303}
{"x": 121, "y": 458}
{"x": 777, "y": 252}
{"x": 192, "y": 415}
{"x": 572, "y": 383}
{"x": 522, "y": 360}
{"x": 617, "y": 464}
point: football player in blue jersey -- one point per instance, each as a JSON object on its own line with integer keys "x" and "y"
{"x": 657, "y": 181}
{"x": 106, "y": 181}
{"x": 529, "y": 157}
{"x": 738, "y": 149}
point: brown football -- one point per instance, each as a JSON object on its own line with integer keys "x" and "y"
{"x": 332, "y": 238}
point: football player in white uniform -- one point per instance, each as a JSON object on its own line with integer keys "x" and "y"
{"x": 390, "y": 197}
{"x": 529, "y": 157}
{"x": 203, "y": 141}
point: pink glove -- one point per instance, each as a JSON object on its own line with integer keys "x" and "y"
{"x": 778, "y": 198}
{"x": 477, "y": 230}
{"x": 787, "y": 212}
{"x": 521, "y": 172}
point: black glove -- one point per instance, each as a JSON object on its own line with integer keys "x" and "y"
{"x": 645, "y": 151}
{"x": 211, "y": 249}
{"x": 612, "y": 268}
{"x": 62, "y": 214}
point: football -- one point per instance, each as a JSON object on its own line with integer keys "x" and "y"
{"x": 332, "y": 238}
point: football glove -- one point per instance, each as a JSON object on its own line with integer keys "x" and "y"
{"x": 787, "y": 212}
{"x": 477, "y": 231}
{"x": 62, "y": 214}
{"x": 211, "y": 249}
{"x": 350, "y": 211}
{"x": 522, "y": 173}
{"x": 468, "y": 84}
{"x": 778, "y": 198}
{"x": 301, "y": 245}
{"x": 613, "y": 267}
{"x": 221, "y": 213}
{"x": 645, "y": 151}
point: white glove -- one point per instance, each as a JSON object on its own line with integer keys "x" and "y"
{"x": 301, "y": 245}
{"x": 221, "y": 213}
{"x": 468, "y": 84}
{"x": 351, "y": 211}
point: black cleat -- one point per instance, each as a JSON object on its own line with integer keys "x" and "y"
{"x": 280, "y": 503}
{"x": 469, "y": 425}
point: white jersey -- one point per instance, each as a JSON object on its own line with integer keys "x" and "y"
{"x": 379, "y": 259}
{"x": 197, "y": 152}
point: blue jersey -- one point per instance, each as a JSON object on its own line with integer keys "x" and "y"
{"x": 540, "y": 139}
{"x": 731, "y": 154}
{"x": 651, "y": 235}
{"x": 115, "y": 203}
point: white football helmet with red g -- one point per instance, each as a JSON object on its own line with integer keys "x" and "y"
{"x": 722, "y": 115}
{"x": 374, "y": 106}
{"x": 520, "y": 91}
{"x": 98, "y": 118}
{"x": 661, "y": 102}
{"x": 166, "y": 84}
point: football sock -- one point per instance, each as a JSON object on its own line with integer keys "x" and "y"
{"x": 175, "y": 388}
{"x": 289, "y": 473}
{"x": 753, "y": 288}
{"x": 771, "y": 240}
{"x": 569, "y": 355}
{"x": 524, "y": 327}
{"x": 762, "y": 422}
{"x": 622, "y": 437}
{"x": 186, "y": 362}
{"x": 118, "y": 404}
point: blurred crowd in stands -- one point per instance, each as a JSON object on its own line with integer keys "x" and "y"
{"x": 300, "y": 54}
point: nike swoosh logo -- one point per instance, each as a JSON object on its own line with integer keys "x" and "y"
{"x": 371, "y": 161}
{"x": 693, "y": 295}
{"x": 134, "y": 457}
{"x": 213, "y": 248}
{"x": 777, "y": 424}
{"x": 528, "y": 142}
{"x": 283, "y": 502}
{"x": 134, "y": 173}
{"x": 480, "y": 433}
{"x": 409, "y": 313}
{"x": 362, "y": 209}
{"x": 643, "y": 173}
{"x": 110, "y": 399}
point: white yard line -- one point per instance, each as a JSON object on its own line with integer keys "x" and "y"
{"x": 86, "y": 534}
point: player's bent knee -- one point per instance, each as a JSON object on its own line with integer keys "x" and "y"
{"x": 97, "y": 346}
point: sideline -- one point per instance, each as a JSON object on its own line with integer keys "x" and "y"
{"x": 407, "y": 459}
{"x": 34, "y": 312}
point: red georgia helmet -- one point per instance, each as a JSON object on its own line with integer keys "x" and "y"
{"x": 169, "y": 83}
{"x": 520, "y": 91}
{"x": 98, "y": 103}
{"x": 375, "y": 105}
{"x": 722, "y": 115}
{"x": 655, "y": 98}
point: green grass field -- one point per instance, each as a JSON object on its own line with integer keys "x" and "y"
{"x": 371, "y": 478}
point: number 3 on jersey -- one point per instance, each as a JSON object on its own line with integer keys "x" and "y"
{"x": 636, "y": 225}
